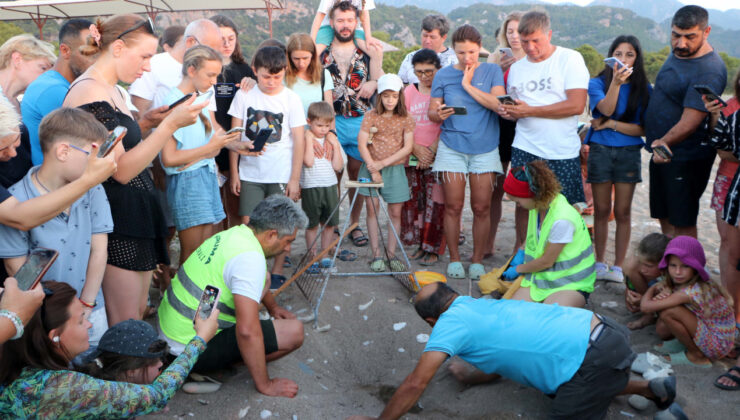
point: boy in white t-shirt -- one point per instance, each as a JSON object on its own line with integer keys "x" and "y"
{"x": 322, "y": 159}
{"x": 277, "y": 168}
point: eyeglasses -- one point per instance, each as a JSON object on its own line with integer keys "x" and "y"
{"x": 147, "y": 22}
{"x": 424, "y": 73}
{"x": 79, "y": 148}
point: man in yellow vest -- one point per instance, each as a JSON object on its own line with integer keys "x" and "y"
{"x": 234, "y": 261}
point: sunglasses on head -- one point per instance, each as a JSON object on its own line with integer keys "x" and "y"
{"x": 146, "y": 23}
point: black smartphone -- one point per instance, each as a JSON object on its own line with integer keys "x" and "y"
{"x": 663, "y": 152}
{"x": 709, "y": 93}
{"x": 181, "y": 100}
{"x": 208, "y": 301}
{"x": 506, "y": 100}
{"x": 112, "y": 141}
{"x": 458, "y": 110}
{"x": 261, "y": 139}
{"x": 36, "y": 265}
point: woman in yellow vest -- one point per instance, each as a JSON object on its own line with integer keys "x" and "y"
{"x": 558, "y": 260}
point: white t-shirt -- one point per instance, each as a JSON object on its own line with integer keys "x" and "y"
{"x": 258, "y": 111}
{"x": 321, "y": 174}
{"x": 545, "y": 83}
{"x": 244, "y": 275}
{"x": 406, "y": 70}
{"x": 156, "y": 84}
{"x": 326, "y": 5}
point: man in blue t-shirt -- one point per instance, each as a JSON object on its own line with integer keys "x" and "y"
{"x": 673, "y": 119}
{"x": 579, "y": 359}
{"x": 47, "y": 92}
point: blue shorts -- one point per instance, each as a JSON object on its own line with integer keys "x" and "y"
{"x": 347, "y": 130}
{"x": 568, "y": 172}
{"x": 194, "y": 198}
{"x": 326, "y": 35}
{"x": 449, "y": 160}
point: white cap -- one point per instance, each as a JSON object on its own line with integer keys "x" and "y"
{"x": 389, "y": 81}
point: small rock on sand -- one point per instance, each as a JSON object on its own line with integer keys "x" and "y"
{"x": 398, "y": 326}
{"x": 422, "y": 338}
{"x": 265, "y": 414}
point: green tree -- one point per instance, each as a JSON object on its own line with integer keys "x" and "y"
{"x": 594, "y": 60}
{"x": 392, "y": 60}
{"x": 733, "y": 66}
{"x": 8, "y": 30}
{"x": 654, "y": 61}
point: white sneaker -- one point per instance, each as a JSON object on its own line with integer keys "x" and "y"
{"x": 610, "y": 275}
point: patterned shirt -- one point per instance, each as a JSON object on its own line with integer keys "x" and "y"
{"x": 346, "y": 101}
{"x": 56, "y": 394}
{"x": 715, "y": 329}
{"x": 388, "y": 139}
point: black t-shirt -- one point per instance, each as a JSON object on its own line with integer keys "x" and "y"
{"x": 225, "y": 90}
{"x": 15, "y": 169}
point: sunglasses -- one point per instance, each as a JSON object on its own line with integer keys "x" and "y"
{"x": 146, "y": 23}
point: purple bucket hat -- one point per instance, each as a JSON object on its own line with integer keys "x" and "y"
{"x": 689, "y": 251}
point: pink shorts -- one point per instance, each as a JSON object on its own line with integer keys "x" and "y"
{"x": 725, "y": 173}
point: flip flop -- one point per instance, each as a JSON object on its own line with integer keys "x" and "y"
{"x": 287, "y": 263}
{"x": 674, "y": 412}
{"x": 681, "y": 359}
{"x": 419, "y": 254}
{"x": 664, "y": 390}
{"x": 314, "y": 269}
{"x": 346, "y": 255}
{"x": 728, "y": 375}
{"x": 456, "y": 270}
{"x": 378, "y": 265}
{"x": 358, "y": 241}
{"x": 429, "y": 259}
{"x": 670, "y": 346}
{"x": 396, "y": 264}
{"x": 326, "y": 263}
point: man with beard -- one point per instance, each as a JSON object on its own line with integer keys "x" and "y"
{"x": 355, "y": 76}
{"x": 674, "y": 120}
{"x": 47, "y": 92}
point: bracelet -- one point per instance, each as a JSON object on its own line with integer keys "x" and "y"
{"x": 615, "y": 126}
{"x": 88, "y": 305}
{"x": 13, "y": 317}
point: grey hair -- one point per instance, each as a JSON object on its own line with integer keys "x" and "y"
{"x": 199, "y": 28}
{"x": 534, "y": 20}
{"x": 280, "y": 213}
{"x": 438, "y": 22}
{"x": 9, "y": 118}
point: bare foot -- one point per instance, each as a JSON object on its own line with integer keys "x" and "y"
{"x": 643, "y": 321}
{"x": 724, "y": 380}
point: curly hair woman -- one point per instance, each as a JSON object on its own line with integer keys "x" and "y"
{"x": 557, "y": 260}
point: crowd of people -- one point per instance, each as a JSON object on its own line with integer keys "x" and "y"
{"x": 221, "y": 149}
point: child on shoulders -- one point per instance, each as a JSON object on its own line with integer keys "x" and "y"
{"x": 384, "y": 155}
{"x": 323, "y": 33}
{"x": 692, "y": 309}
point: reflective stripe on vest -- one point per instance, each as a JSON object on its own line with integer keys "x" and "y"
{"x": 566, "y": 264}
{"x": 196, "y": 291}
{"x": 561, "y": 281}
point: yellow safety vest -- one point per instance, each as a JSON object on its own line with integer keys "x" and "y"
{"x": 204, "y": 267}
{"x": 574, "y": 269}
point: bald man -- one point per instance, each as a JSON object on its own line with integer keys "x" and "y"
{"x": 579, "y": 359}
{"x": 153, "y": 87}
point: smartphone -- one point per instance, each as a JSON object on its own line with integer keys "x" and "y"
{"x": 112, "y": 141}
{"x": 458, "y": 110}
{"x": 506, "y": 100}
{"x": 611, "y": 61}
{"x": 261, "y": 139}
{"x": 663, "y": 152}
{"x": 236, "y": 130}
{"x": 709, "y": 93}
{"x": 208, "y": 301}
{"x": 506, "y": 52}
{"x": 181, "y": 100}
{"x": 33, "y": 270}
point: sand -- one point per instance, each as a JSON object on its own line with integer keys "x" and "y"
{"x": 354, "y": 367}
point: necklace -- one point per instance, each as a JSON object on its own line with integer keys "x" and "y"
{"x": 36, "y": 175}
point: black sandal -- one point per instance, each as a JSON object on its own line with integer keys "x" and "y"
{"x": 358, "y": 241}
{"x": 728, "y": 375}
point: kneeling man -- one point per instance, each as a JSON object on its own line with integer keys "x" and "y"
{"x": 580, "y": 359}
{"x": 234, "y": 261}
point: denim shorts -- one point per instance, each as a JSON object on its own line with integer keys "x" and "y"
{"x": 614, "y": 164}
{"x": 449, "y": 160}
{"x": 194, "y": 198}
{"x": 568, "y": 172}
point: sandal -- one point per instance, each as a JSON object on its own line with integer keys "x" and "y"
{"x": 419, "y": 254}
{"x": 396, "y": 264}
{"x": 429, "y": 259}
{"x": 681, "y": 359}
{"x": 456, "y": 270}
{"x": 378, "y": 265}
{"x": 287, "y": 263}
{"x": 313, "y": 269}
{"x": 359, "y": 240}
{"x": 670, "y": 346}
{"x": 476, "y": 270}
{"x": 346, "y": 255}
{"x": 664, "y": 390}
{"x": 326, "y": 263}
{"x": 730, "y": 376}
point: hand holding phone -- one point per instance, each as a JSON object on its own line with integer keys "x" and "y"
{"x": 36, "y": 265}
{"x": 208, "y": 302}
{"x": 663, "y": 152}
{"x": 506, "y": 100}
{"x": 506, "y": 52}
{"x": 25, "y": 304}
{"x": 707, "y": 92}
{"x": 261, "y": 139}
{"x": 457, "y": 110}
{"x": 112, "y": 141}
{"x": 611, "y": 61}
{"x": 181, "y": 100}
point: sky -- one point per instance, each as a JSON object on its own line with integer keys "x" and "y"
{"x": 710, "y": 4}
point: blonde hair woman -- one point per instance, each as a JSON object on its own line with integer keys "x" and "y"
{"x": 22, "y": 59}
{"x": 125, "y": 44}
